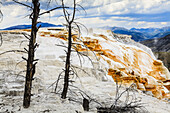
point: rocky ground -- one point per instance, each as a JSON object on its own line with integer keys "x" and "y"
{"x": 45, "y": 101}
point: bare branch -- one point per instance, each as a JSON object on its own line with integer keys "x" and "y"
{"x": 26, "y": 50}
{"x": 61, "y": 45}
{"x": 86, "y": 48}
{"x": 24, "y": 59}
{"x": 65, "y": 12}
{"x": 22, "y": 4}
{"x": 27, "y": 36}
{"x": 82, "y": 25}
{"x": 52, "y": 10}
{"x": 18, "y": 63}
{"x": 1, "y": 14}
{"x": 58, "y": 81}
{"x": 1, "y": 39}
{"x": 75, "y": 72}
{"x": 22, "y": 42}
{"x": 13, "y": 51}
{"x": 77, "y": 27}
{"x": 21, "y": 72}
{"x": 82, "y": 8}
{"x": 74, "y": 11}
{"x": 81, "y": 69}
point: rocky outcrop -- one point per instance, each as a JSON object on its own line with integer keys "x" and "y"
{"x": 161, "y": 48}
{"x": 165, "y": 57}
{"x": 158, "y": 44}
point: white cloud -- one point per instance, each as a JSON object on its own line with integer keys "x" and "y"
{"x": 128, "y": 6}
{"x": 164, "y": 23}
{"x": 14, "y": 14}
{"x": 98, "y": 22}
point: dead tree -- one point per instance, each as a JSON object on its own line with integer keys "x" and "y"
{"x": 71, "y": 25}
{"x": 67, "y": 64}
{"x": 31, "y": 61}
{"x": 131, "y": 104}
{"x": 31, "y": 64}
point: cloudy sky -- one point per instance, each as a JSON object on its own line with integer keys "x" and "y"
{"x": 122, "y": 13}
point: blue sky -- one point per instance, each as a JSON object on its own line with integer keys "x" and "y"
{"x": 122, "y": 13}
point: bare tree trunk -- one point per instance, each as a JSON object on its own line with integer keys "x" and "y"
{"x": 86, "y": 104}
{"x": 30, "y": 61}
{"x": 67, "y": 66}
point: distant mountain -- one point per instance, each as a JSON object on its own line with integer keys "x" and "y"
{"x": 161, "y": 48}
{"x": 141, "y": 33}
{"x": 153, "y": 32}
{"x": 161, "y": 34}
{"x": 145, "y": 30}
{"x": 158, "y": 44}
{"x": 29, "y": 26}
{"x": 137, "y": 36}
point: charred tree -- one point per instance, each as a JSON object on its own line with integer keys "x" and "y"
{"x": 86, "y": 104}
{"x": 30, "y": 61}
{"x": 67, "y": 64}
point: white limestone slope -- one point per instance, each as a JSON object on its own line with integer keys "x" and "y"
{"x": 99, "y": 85}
